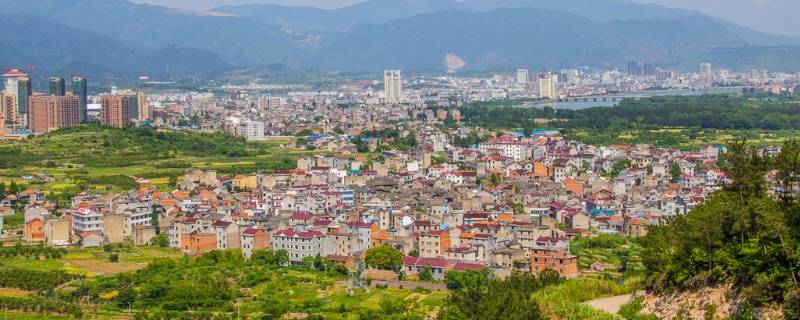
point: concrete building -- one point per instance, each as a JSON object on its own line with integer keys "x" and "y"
{"x": 86, "y": 220}
{"x": 118, "y": 110}
{"x": 80, "y": 90}
{"x": 706, "y": 72}
{"x": 547, "y": 86}
{"x": 18, "y": 88}
{"x": 57, "y": 86}
{"x": 522, "y": 77}
{"x": 50, "y": 113}
{"x": 300, "y": 244}
{"x": 145, "y": 111}
{"x": 393, "y": 86}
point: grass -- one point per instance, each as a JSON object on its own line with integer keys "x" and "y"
{"x": 564, "y": 301}
{"x": 24, "y": 316}
{"x": 90, "y": 156}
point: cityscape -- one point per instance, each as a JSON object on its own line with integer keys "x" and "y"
{"x": 360, "y": 162}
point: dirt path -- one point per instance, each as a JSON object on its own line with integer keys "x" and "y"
{"x": 609, "y": 304}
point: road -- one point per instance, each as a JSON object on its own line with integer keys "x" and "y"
{"x": 609, "y": 304}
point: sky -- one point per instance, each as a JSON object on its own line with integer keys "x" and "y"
{"x": 774, "y": 16}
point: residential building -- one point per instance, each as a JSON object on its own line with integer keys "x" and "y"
{"x": 300, "y": 244}
{"x": 50, "y": 113}
{"x": 118, "y": 110}
{"x": 393, "y": 86}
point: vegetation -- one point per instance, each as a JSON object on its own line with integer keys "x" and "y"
{"x": 107, "y": 159}
{"x": 747, "y": 234}
{"x": 674, "y": 121}
{"x": 384, "y": 258}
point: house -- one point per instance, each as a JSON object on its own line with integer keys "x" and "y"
{"x": 196, "y": 242}
{"x": 433, "y": 244}
{"x": 414, "y": 265}
{"x": 90, "y": 239}
{"x": 553, "y": 254}
{"x": 86, "y": 220}
{"x": 114, "y": 228}
{"x": 56, "y": 232}
{"x": 34, "y": 230}
{"x": 254, "y": 239}
{"x": 300, "y": 244}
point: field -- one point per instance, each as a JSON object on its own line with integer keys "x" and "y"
{"x": 107, "y": 159}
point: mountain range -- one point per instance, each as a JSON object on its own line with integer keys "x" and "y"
{"x": 117, "y": 36}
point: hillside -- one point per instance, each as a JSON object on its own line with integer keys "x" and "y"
{"x": 745, "y": 236}
{"x": 105, "y": 158}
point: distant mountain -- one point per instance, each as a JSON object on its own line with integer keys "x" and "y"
{"x": 520, "y": 37}
{"x": 381, "y": 11}
{"x": 236, "y": 40}
{"x": 32, "y": 41}
{"x": 111, "y": 36}
{"x": 305, "y": 19}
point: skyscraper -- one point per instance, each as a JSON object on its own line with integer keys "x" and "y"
{"x": 635, "y": 68}
{"x": 18, "y": 87}
{"x": 547, "y": 86}
{"x": 49, "y": 113}
{"x": 522, "y": 77}
{"x": 143, "y": 108}
{"x": 80, "y": 90}
{"x": 57, "y": 86}
{"x": 705, "y": 72}
{"x": 393, "y": 86}
{"x": 118, "y": 110}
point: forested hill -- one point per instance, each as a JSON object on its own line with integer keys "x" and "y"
{"x": 747, "y": 235}
{"x": 706, "y": 111}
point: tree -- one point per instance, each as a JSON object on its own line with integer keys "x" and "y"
{"x": 495, "y": 179}
{"x": 491, "y": 298}
{"x": 675, "y": 173}
{"x": 384, "y": 258}
{"x": 338, "y": 130}
{"x": 426, "y": 274}
{"x": 173, "y": 182}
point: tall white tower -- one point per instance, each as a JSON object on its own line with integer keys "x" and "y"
{"x": 392, "y": 86}
{"x": 522, "y": 77}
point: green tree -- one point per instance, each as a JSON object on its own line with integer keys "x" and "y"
{"x": 426, "y": 274}
{"x": 384, "y": 258}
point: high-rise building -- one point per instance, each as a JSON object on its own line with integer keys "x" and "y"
{"x": 143, "y": 108}
{"x": 57, "y": 86}
{"x": 118, "y": 110}
{"x": 18, "y": 86}
{"x": 49, "y": 113}
{"x": 522, "y": 77}
{"x": 547, "y": 86}
{"x": 9, "y": 109}
{"x": 393, "y": 86}
{"x": 80, "y": 90}
{"x": 635, "y": 68}
{"x": 705, "y": 72}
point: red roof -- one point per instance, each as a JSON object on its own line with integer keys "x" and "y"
{"x": 250, "y": 231}
{"x": 291, "y": 233}
{"x": 14, "y": 73}
{"x": 461, "y": 266}
{"x": 424, "y": 262}
{"x": 221, "y": 223}
{"x": 302, "y": 216}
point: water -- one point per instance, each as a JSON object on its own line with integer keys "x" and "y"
{"x": 655, "y": 93}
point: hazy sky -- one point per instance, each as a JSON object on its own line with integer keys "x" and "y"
{"x": 775, "y": 16}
